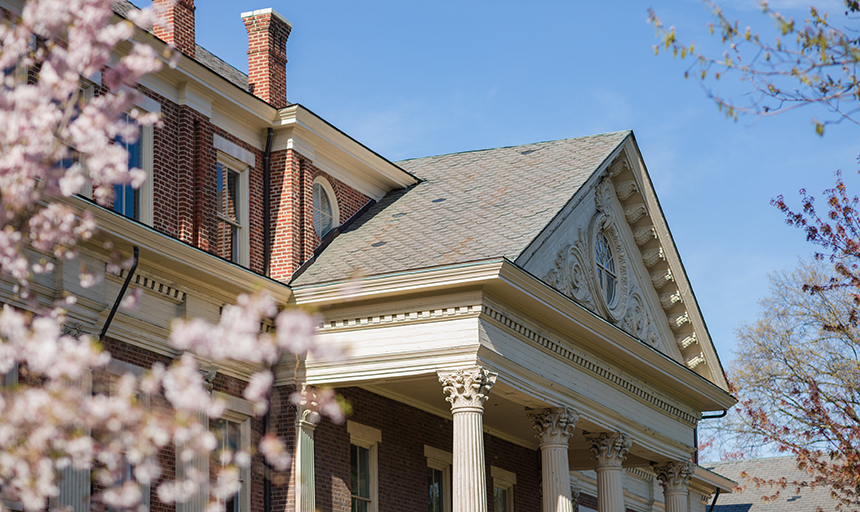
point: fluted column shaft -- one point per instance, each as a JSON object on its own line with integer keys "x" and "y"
{"x": 467, "y": 390}
{"x": 553, "y": 427}
{"x": 609, "y": 451}
{"x": 675, "y": 477}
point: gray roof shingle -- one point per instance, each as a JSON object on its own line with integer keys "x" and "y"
{"x": 202, "y": 55}
{"x": 471, "y": 206}
{"x": 749, "y": 499}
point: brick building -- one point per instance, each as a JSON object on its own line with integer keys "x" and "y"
{"x": 521, "y": 332}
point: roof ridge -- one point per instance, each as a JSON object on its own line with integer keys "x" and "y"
{"x": 605, "y": 134}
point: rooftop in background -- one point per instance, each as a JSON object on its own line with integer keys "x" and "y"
{"x": 750, "y": 498}
{"x": 471, "y": 206}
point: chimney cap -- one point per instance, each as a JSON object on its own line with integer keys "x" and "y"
{"x": 269, "y": 10}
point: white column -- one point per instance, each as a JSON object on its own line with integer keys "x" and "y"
{"x": 305, "y": 488}
{"x": 609, "y": 450}
{"x": 553, "y": 427}
{"x": 674, "y": 477}
{"x": 467, "y": 390}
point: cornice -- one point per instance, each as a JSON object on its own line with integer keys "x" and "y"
{"x": 177, "y": 260}
{"x": 339, "y": 154}
{"x": 635, "y": 356}
{"x": 588, "y": 365}
{"x": 389, "y": 285}
{"x": 537, "y": 299}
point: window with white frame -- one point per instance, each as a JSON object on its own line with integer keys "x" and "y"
{"x": 363, "y": 485}
{"x": 233, "y": 433}
{"x": 503, "y": 489}
{"x": 232, "y": 209}
{"x": 326, "y": 211}
{"x": 439, "y": 462}
{"x": 126, "y": 199}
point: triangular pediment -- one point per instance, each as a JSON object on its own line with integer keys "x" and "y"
{"x": 610, "y": 250}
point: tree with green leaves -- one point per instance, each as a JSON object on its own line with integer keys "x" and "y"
{"x": 810, "y": 62}
{"x": 797, "y": 372}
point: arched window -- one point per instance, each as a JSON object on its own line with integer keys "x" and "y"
{"x": 606, "y": 274}
{"x": 326, "y": 213}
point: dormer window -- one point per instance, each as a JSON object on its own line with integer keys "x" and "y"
{"x": 326, "y": 214}
{"x": 606, "y": 274}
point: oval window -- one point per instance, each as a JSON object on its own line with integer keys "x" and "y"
{"x": 606, "y": 276}
{"x": 323, "y": 211}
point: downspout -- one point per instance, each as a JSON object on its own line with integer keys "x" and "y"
{"x": 714, "y": 503}
{"x": 267, "y": 184}
{"x": 121, "y": 294}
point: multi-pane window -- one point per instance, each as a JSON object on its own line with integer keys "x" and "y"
{"x": 500, "y": 499}
{"x": 323, "y": 210}
{"x": 436, "y": 490}
{"x": 360, "y": 478}
{"x": 606, "y": 276}
{"x": 126, "y": 199}
{"x": 503, "y": 489}
{"x": 229, "y": 436}
{"x": 229, "y": 216}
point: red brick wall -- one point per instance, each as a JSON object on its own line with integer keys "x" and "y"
{"x": 267, "y": 58}
{"x": 294, "y": 238}
{"x": 401, "y": 463}
{"x": 180, "y": 25}
{"x": 281, "y": 421}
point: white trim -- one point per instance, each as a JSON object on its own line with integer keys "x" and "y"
{"x": 335, "y": 209}
{"x": 269, "y": 10}
{"x": 238, "y": 410}
{"x": 504, "y": 480}
{"x": 363, "y": 433}
{"x": 234, "y": 150}
{"x": 503, "y": 475}
{"x": 442, "y": 461}
{"x": 367, "y": 437}
{"x": 244, "y": 241}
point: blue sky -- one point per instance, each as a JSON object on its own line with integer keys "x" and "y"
{"x": 412, "y": 79}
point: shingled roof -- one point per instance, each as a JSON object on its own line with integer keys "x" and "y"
{"x": 470, "y": 206}
{"x": 202, "y": 55}
{"x": 749, "y": 498}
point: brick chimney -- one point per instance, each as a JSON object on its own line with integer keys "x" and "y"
{"x": 179, "y": 16}
{"x": 267, "y": 55}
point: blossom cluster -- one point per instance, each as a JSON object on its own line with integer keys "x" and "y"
{"x": 55, "y": 143}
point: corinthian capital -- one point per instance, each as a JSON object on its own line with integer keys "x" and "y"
{"x": 553, "y": 425}
{"x": 468, "y": 387}
{"x": 609, "y": 450}
{"x": 674, "y": 476}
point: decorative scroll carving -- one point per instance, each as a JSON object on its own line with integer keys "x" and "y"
{"x": 635, "y": 212}
{"x": 605, "y": 223}
{"x": 553, "y": 425}
{"x": 660, "y": 278}
{"x": 74, "y": 330}
{"x": 609, "y": 449}
{"x": 685, "y": 340}
{"x": 208, "y": 373}
{"x": 652, "y": 257}
{"x": 625, "y": 189}
{"x": 674, "y": 476}
{"x": 644, "y": 235}
{"x": 667, "y": 300}
{"x": 638, "y": 322}
{"x": 571, "y": 275}
{"x": 469, "y": 387}
{"x": 678, "y": 321}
